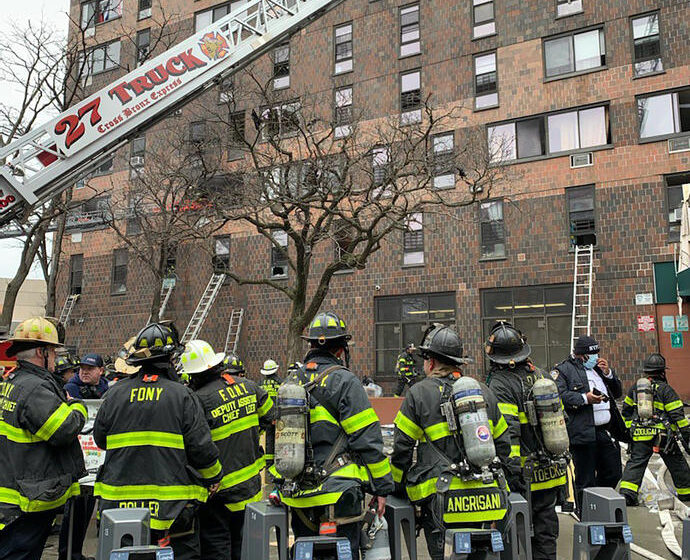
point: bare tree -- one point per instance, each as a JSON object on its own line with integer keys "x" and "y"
{"x": 320, "y": 181}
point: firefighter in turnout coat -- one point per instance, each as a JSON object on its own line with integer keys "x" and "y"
{"x": 421, "y": 423}
{"x": 236, "y": 410}
{"x": 159, "y": 451}
{"x": 511, "y": 377}
{"x": 340, "y": 416}
{"x": 653, "y": 435}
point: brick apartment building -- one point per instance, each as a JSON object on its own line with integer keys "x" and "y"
{"x": 594, "y": 97}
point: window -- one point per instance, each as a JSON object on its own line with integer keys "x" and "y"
{"x": 226, "y": 91}
{"x": 171, "y": 261}
{"x": 137, "y": 152}
{"x": 118, "y": 283}
{"x": 401, "y": 320}
{"x": 664, "y": 114}
{"x": 103, "y": 58}
{"x": 646, "y": 45}
{"x": 279, "y": 259}
{"x": 343, "y": 48}
{"x": 342, "y": 237}
{"x": 568, "y": 7}
{"x": 207, "y": 17}
{"x": 281, "y": 120}
{"x": 575, "y": 52}
{"x": 90, "y": 213}
{"x": 343, "y": 111}
{"x": 409, "y": 30}
{"x": 410, "y": 97}
{"x": 143, "y": 45}
{"x": 76, "y": 273}
{"x": 197, "y": 132}
{"x": 484, "y": 19}
{"x": 133, "y": 223}
{"x": 581, "y": 215}
{"x": 221, "y": 254}
{"x": 236, "y": 138}
{"x": 379, "y": 165}
{"x": 413, "y": 239}
{"x": 674, "y": 202}
{"x": 104, "y": 168}
{"x": 144, "y": 9}
{"x": 542, "y": 313}
{"x": 99, "y": 11}
{"x": 549, "y": 134}
{"x": 444, "y": 151}
{"x": 485, "y": 81}
{"x": 493, "y": 235}
{"x": 281, "y": 66}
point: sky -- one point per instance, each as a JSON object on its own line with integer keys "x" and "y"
{"x": 20, "y": 12}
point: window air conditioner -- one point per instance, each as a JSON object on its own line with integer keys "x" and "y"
{"x": 679, "y": 144}
{"x": 136, "y": 161}
{"x": 581, "y": 160}
{"x": 145, "y": 13}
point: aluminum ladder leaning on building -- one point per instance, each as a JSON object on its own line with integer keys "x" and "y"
{"x": 48, "y": 159}
{"x": 582, "y": 292}
{"x": 234, "y": 329}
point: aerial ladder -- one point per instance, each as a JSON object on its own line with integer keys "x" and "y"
{"x": 44, "y": 162}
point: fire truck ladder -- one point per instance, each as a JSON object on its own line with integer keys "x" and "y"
{"x": 582, "y": 292}
{"x": 70, "y": 302}
{"x": 53, "y": 156}
{"x": 234, "y": 328}
{"x": 202, "y": 309}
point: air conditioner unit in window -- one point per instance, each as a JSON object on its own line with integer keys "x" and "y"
{"x": 679, "y": 144}
{"x": 677, "y": 213}
{"x": 145, "y": 13}
{"x": 581, "y": 160}
{"x": 136, "y": 161}
{"x": 225, "y": 96}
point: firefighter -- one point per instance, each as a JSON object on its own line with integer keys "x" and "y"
{"x": 405, "y": 370}
{"x": 65, "y": 368}
{"x": 667, "y": 410}
{"x": 234, "y": 365}
{"x": 345, "y": 429}
{"x": 40, "y": 457}
{"x": 160, "y": 454}
{"x": 420, "y": 423}
{"x": 236, "y": 409}
{"x": 511, "y": 377}
{"x": 270, "y": 383}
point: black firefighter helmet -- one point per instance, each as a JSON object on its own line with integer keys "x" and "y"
{"x": 506, "y": 345}
{"x": 654, "y": 363}
{"x": 156, "y": 342}
{"x": 327, "y": 326}
{"x": 443, "y": 343}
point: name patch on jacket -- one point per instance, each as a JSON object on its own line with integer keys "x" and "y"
{"x": 480, "y": 502}
{"x": 238, "y": 403}
{"x": 142, "y": 394}
{"x": 6, "y": 404}
{"x": 543, "y": 474}
{"x": 151, "y": 505}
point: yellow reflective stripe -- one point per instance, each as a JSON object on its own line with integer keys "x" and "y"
{"x": 161, "y": 524}
{"x": 683, "y": 491}
{"x": 629, "y": 401}
{"x": 437, "y": 431}
{"x": 17, "y": 435}
{"x": 475, "y": 517}
{"x": 380, "y": 469}
{"x": 320, "y": 414}
{"x": 136, "y": 439}
{"x": 659, "y": 405}
{"x": 514, "y": 451}
{"x": 408, "y": 427}
{"x": 560, "y": 481}
{"x": 628, "y": 423}
{"x": 264, "y": 408}
{"x": 358, "y": 421}
{"x": 673, "y": 405}
{"x": 397, "y": 473}
{"x": 13, "y": 497}
{"x": 683, "y": 422}
{"x": 273, "y": 471}
{"x": 235, "y": 426}
{"x": 239, "y": 506}
{"x": 353, "y": 471}
{"x": 428, "y": 487}
{"x": 629, "y": 486}
{"x": 2, "y": 526}
{"x": 501, "y": 426}
{"x": 150, "y": 492}
{"x": 312, "y": 501}
{"x": 523, "y": 417}
{"x": 211, "y": 471}
{"x": 81, "y": 408}
{"x": 54, "y": 422}
{"x": 243, "y": 474}
{"x": 507, "y": 408}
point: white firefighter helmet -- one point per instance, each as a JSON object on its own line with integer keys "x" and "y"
{"x": 270, "y": 367}
{"x": 199, "y": 357}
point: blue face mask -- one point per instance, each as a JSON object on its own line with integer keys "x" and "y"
{"x": 591, "y": 361}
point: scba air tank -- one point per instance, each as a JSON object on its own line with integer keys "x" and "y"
{"x": 291, "y": 430}
{"x": 470, "y": 408}
{"x": 645, "y": 398}
{"x": 550, "y": 413}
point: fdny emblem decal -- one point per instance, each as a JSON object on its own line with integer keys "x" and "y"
{"x": 214, "y": 45}
{"x": 554, "y": 374}
{"x": 483, "y": 433}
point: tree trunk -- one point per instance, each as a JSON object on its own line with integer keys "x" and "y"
{"x": 156, "y": 302}
{"x": 295, "y": 344}
{"x": 51, "y": 288}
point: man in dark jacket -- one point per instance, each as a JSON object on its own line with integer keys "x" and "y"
{"x": 270, "y": 382}
{"x": 511, "y": 378}
{"x": 588, "y": 387}
{"x": 88, "y": 382}
{"x": 652, "y": 434}
{"x": 421, "y": 423}
{"x": 40, "y": 457}
{"x": 340, "y": 414}
{"x": 236, "y": 410}
{"x": 160, "y": 454}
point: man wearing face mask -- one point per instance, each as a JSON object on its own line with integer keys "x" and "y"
{"x": 588, "y": 387}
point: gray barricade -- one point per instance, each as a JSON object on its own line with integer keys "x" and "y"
{"x": 259, "y": 519}
{"x": 603, "y": 533}
{"x": 123, "y": 528}
{"x": 401, "y": 525}
{"x": 515, "y": 528}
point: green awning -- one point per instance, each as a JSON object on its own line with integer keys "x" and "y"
{"x": 684, "y": 282}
